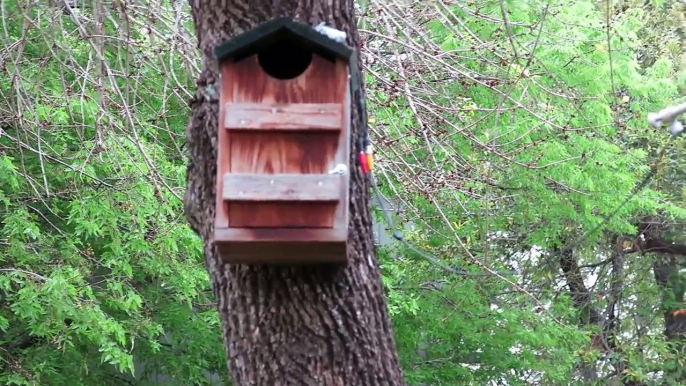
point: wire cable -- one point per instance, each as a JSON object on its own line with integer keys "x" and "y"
{"x": 425, "y": 255}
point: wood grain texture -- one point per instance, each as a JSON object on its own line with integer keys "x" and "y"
{"x": 299, "y": 116}
{"x": 267, "y": 245}
{"x": 282, "y": 187}
{"x": 282, "y": 215}
{"x": 343, "y": 151}
{"x": 316, "y": 85}
{"x": 278, "y": 235}
{"x": 221, "y": 219}
{"x": 284, "y": 253}
{"x": 282, "y": 152}
{"x": 272, "y": 152}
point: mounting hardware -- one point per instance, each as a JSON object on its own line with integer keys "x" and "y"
{"x": 339, "y": 169}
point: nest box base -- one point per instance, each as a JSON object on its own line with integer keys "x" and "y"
{"x": 287, "y": 253}
{"x": 281, "y": 246}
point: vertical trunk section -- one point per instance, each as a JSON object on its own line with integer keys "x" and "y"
{"x": 667, "y": 278}
{"x": 588, "y": 315}
{"x": 672, "y": 286}
{"x": 317, "y": 325}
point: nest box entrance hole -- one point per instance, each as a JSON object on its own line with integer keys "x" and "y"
{"x": 285, "y": 58}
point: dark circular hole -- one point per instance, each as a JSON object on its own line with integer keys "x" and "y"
{"x": 285, "y": 59}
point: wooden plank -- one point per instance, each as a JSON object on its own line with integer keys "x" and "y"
{"x": 251, "y": 84}
{"x": 284, "y": 152}
{"x": 223, "y": 147}
{"x": 282, "y": 214}
{"x": 282, "y": 187}
{"x": 284, "y": 253}
{"x": 342, "y": 156}
{"x": 273, "y": 152}
{"x": 272, "y": 116}
{"x": 305, "y": 235}
{"x": 281, "y": 246}
{"x": 289, "y": 253}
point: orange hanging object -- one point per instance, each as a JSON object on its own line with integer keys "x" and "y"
{"x": 363, "y": 162}
{"x": 370, "y": 157}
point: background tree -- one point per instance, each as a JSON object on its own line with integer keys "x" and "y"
{"x": 289, "y": 325}
{"x": 509, "y": 151}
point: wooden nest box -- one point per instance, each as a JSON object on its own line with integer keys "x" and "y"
{"x": 283, "y": 161}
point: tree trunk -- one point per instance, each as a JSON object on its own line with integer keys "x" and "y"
{"x": 667, "y": 277}
{"x": 316, "y": 325}
{"x": 588, "y": 314}
{"x": 668, "y": 257}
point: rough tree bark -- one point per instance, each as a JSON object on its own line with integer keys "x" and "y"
{"x": 317, "y": 325}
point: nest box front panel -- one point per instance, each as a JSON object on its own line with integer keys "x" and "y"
{"x": 318, "y": 83}
{"x": 288, "y": 128}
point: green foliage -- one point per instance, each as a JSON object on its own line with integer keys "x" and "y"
{"x": 529, "y": 135}
{"x": 497, "y": 137}
{"x": 101, "y": 280}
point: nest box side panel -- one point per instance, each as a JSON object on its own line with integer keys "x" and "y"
{"x": 265, "y": 151}
{"x": 221, "y": 207}
{"x": 343, "y": 152}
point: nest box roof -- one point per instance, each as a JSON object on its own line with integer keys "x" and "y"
{"x": 265, "y": 34}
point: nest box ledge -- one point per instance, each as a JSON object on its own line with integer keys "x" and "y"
{"x": 283, "y": 146}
